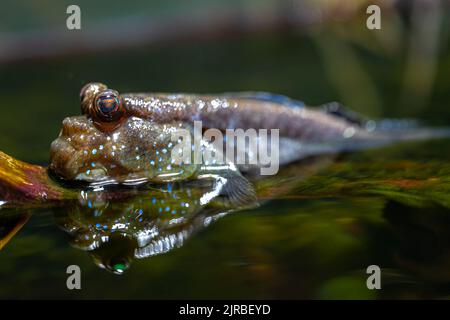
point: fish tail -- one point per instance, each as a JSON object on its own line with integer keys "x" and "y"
{"x": 417, "y": 134}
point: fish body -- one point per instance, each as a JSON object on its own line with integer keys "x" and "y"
{"x": 140, "y": 145}
{"x": 129, "y": 138}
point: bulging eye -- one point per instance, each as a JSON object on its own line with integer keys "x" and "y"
{"x": 108, "y": 107}
{"x": 88, "y": 93}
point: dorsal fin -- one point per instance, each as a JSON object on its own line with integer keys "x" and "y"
{"x": 267, "y": 97}
{"x": 339, "y": 110}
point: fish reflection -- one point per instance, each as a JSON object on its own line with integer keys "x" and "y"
{"x": 151, "y": 222}
{"x": 117, "y": 225}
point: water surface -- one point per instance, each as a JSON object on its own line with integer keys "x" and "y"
{"x": 320, "y": 223}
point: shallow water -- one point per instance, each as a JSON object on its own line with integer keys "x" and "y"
{"x": 320, "y": 223}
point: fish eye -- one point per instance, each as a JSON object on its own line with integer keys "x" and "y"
{"x": 87, "y": 94}
{"x": 108, "y": 108}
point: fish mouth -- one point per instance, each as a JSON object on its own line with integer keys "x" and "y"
{"x": 83, "y": 153}
{"x": 129, "y": 155}
{"x": 64, "y": 158}
{"x": 69, "y": 164}
{"x": 67, "y": 152}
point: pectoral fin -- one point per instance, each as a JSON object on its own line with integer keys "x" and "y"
{"x": 230, "y": 189}
{"x": 238, "y": 191}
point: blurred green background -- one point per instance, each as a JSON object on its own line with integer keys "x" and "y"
{"x": 315, "y": 51}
